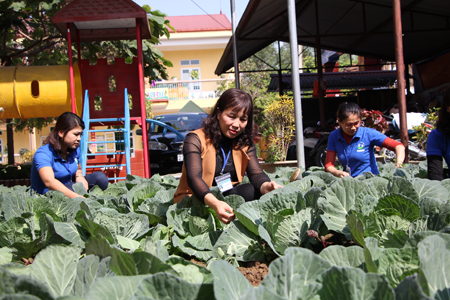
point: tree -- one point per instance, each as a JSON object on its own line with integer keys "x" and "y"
{"x": 309, "y": 59}
{"x": 26, "y": 30}
{"x": 27, "y": 37}
{"x": 255, "y": 75}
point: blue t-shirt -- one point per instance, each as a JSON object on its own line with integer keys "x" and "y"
{"x": 64, "y": 171}
{"x": 359, "y": 155}
{"x": 439, "y": 144}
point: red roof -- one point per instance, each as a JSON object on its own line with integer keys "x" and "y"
{"x": 102, "y": 15}
{"x": 217, "y": 22}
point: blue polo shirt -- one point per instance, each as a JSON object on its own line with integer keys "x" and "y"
{"x": 359, "y": 155}
{"x": 64, "y": 171}
{"x": 439, "y": 144}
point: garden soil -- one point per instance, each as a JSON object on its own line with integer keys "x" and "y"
{"x": 253, "y": 271}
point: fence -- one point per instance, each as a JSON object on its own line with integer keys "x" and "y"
{"x": 17, "y": 159}
{"x": 186, "y": 89}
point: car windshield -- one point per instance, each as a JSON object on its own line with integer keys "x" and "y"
{"x": 180, "y": 123}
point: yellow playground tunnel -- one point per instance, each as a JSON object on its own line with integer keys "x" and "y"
{"x": 37, "y": 91}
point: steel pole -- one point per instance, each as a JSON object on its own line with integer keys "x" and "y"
{"x": 320, "y": 70}
{"x": 321, "y": 83}
{"x": 235, "y": 58}
{"x": 292, "y": 19}
{"x": 396, "y": 7}
{"x": 280, "y": 79}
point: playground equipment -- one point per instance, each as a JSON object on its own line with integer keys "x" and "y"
{"x": 117, "y": 88}
{"x": 37, "y": 92}
{"x": 126, "y": 140}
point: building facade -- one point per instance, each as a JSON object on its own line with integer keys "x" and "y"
{"x": 194, "y": 50}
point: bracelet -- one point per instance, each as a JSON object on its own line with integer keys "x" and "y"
{"x": 78, "y": 176}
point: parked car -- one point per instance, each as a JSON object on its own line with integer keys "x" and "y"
{"x": 165, "y": 141}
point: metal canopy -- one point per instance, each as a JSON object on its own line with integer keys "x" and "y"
{"x": 102, "y": 20}
{"x": 337, "y": 80}
{"x": 362, "y": 27}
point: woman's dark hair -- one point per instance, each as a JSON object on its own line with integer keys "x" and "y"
{"x": 443, "y": 122}
{"x": 66, "y": 122}
{"x": 346, "y": 109}
{"x": 237, "y": 100}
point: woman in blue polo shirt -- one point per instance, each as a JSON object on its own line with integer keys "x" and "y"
{"x": 55, "y": 164}
{"x": 354, "y": 145}
{"x": 438, "y": 143}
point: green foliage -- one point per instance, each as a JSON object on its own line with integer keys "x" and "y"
{"x": 27, "y": 157}
{"x": 424, "y": 129}
{"x": 23, "y": 151}
{"x": 344, "y": 60}
{"x": 278, "y": 126}
{"x": 194, "y": 74}
{"x": 32, "y": 123}
{"x": 30, "y": 20}
{"x": 309, "y": 59}
{"x": 266, "y": 61}
{"x": 106, "y": 246}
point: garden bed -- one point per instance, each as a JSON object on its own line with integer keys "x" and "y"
{"x": 319, "y": 237}
{"x": 271, "y": 167}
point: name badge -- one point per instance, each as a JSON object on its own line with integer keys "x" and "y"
{"x": 224, "y": 182}
{"x": 348, "y": 170}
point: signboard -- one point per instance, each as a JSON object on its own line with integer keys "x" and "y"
{"x": 159, "y": 93}
{"x": 202, "y": 95}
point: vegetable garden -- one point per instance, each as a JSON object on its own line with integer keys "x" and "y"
{"x": 370, "y": 237}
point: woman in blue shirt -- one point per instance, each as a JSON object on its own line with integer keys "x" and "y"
{"x": 56, "y": 163}
{"x": 438, "y": 143}
{"x": 354, "y": 145}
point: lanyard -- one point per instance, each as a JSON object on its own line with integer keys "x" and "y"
{"x": 347, "y": 148}
{"x": 345, "y": 153}
{"x": 225, "y": 159}
{"x": 66, "y": 165}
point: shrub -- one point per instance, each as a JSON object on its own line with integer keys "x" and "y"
{"x": 28, "y": 156}
{"x": 23, "y": 151}
{"x": 279, "y": 127}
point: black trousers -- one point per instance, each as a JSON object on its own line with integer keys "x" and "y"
{"x": 96, "y": 178}
{"x": 246, "y": 190}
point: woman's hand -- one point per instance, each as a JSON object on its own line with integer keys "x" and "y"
{"x": 400, "y": 153}
{"x": 269, "y": 186}
{"x": 335, "y": 172}
{"x": 223, "y": 211}
{"x": 80, "y": 178}
{"x": 48, "y": 178}
{"x": 343, "y": 174}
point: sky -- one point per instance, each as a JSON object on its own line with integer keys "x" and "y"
{"x": 196, "y": 7}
